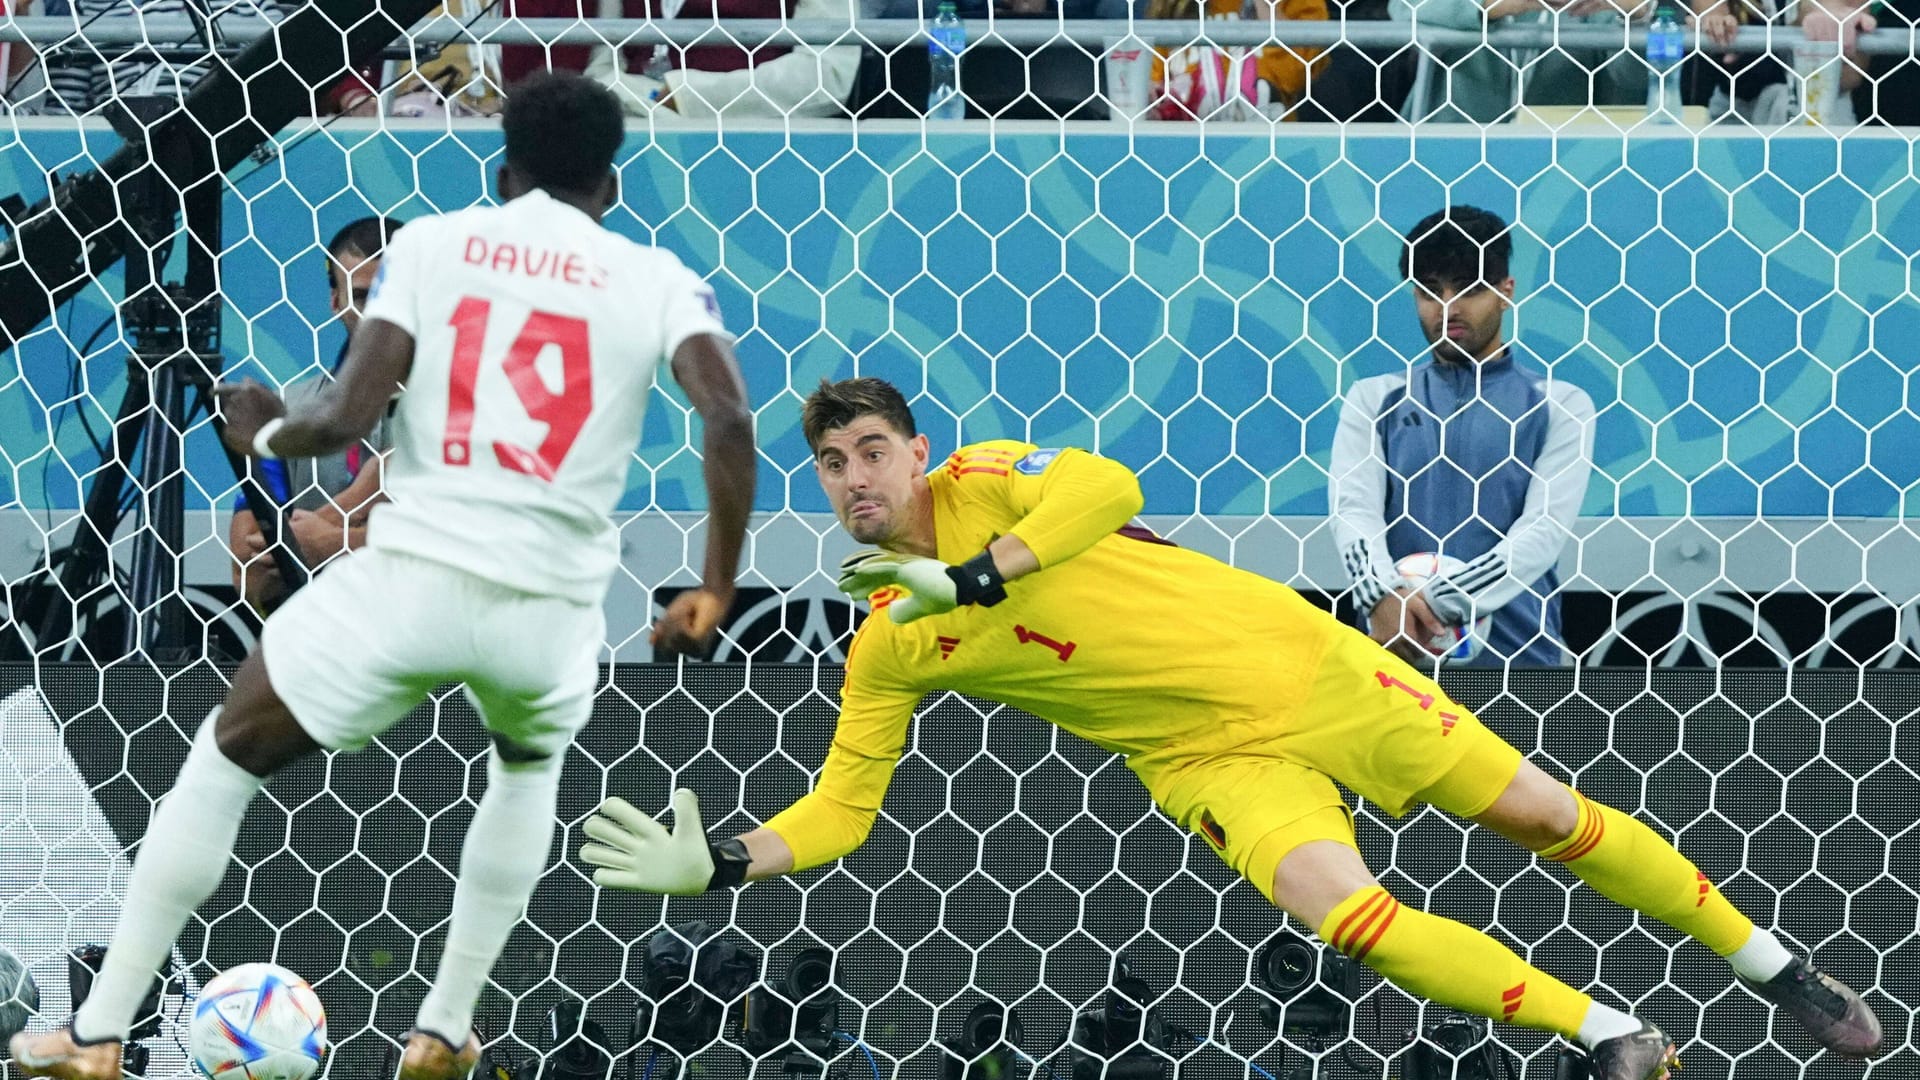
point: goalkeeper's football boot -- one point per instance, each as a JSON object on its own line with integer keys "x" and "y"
{"x": 1646, "y": 1054}
{"x": 1831, "y": 1012}
{"x": 431, "y": 1057}
{"x": 64, "y": 1056}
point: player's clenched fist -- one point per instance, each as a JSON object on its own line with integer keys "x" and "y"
{"x": 690, "y": 620}
{"x": 937, "y": 587}
{"x": 634, "y": 852}
{"x": 246, "y": 407}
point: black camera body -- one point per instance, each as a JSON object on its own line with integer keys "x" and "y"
{"x": 1456, "y": 1047}
{"x": 986, "y": 1046}
{"x": 799, "y": 1016}
{"x": 1571, "y": 1064}
{"x": 693, "y": 977}
{"x": 1123, "y": 1039}
{"x": 579, "y": 1049}
{"x": 83, "y": 963}
{"x": 1308, "y": 989}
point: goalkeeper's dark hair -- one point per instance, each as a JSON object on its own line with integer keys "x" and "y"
{"x": 837, "y": 404}
{"x": 562, "y": 131}
{"x": 1464, "y": 245}
{"x": 366, "y": 237}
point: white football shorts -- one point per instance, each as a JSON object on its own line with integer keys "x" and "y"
{"x": 367, "y": 640}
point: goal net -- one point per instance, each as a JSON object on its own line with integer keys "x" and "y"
{"x": 1194, "y": 299}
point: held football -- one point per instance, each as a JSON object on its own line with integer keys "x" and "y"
{"x": 1460, "y": 643}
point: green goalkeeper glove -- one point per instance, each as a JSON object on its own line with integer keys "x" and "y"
{"x": 636, "y": 854}
{"x": 936, "y": 587}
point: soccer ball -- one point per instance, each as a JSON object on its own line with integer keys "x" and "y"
{"x": 258, "y": 1022}
{"x": 1458, "y": 644}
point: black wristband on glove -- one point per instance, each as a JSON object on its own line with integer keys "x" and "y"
{"x": 978, "y": 581}
{"x": 730, "y": 862}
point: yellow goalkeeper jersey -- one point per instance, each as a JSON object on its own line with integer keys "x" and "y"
{"x": 1121, "y": 638}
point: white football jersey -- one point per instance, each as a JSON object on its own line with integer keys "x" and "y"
{"x": 536, "y": 337}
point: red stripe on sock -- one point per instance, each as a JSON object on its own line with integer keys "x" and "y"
{"x": 1340, "y": 935}
{"x": 1511, "y": 998}
{"x": 1588, "y": 836}
{"x": 1596, "y": 834}
{"x": 1392, "y": 910}
{"x": 1373, "y": 918}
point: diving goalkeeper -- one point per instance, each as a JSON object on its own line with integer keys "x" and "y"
{"x": 1012, "y": 573}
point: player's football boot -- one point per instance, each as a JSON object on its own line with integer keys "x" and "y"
{"x": 431, "y": 1057}
{"x": 59, "y": 1054}
{"x": 1831, "y": 1012}
{"x": 1646, "y": 1054}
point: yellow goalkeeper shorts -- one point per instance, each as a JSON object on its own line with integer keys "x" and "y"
{"x": 1370, "y": 722}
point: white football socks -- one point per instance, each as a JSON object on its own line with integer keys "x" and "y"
{"x": 500, "y": 862}
{"x": 1761, "y": 958}
{"x": 1604, "y": 1022}
{"x": 182, "y": 859}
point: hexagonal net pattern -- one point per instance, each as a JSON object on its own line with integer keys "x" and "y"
{"x": 1009, "y": 865}
{"x": 1196, "y": 301}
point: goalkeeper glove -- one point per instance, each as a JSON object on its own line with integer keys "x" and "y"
{"x": 937, "y": 587}
{"x": 636, "y": 854}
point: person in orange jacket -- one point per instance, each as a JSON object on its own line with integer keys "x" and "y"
{"x": 1192, "y": 93}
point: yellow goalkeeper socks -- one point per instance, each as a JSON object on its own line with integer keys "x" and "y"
{"x": 1452, "y": 964}
{"x": 1630, "y": 864}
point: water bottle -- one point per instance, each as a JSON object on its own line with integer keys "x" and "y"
{"x": 946, "y": 40}
{"x": 1666, "y": 46}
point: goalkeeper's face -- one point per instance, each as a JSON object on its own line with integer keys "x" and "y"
{"x": 1462, "y": 321}
{"x": 874, "y": 477}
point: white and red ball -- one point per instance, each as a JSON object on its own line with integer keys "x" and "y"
{"x": 1459, "y": 643}
{"x": 258, "y": 1022}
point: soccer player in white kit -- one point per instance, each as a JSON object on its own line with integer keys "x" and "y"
{"x": 526, "y": 337}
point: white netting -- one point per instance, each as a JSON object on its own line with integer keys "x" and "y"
{"x": 1195, "y": 300}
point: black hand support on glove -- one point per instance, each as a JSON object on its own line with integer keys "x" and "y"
{"x": 730, "y": 862}
{"x": 978, "y": 581}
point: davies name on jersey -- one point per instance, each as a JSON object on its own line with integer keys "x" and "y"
{"x": 511, "y": 258}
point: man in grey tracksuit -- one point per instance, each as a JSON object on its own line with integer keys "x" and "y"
{"x": 1472, "y": 453}
{"x": 329, "y": 498}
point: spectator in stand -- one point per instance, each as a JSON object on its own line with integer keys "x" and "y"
{"x": 979, "y": 9}
{"x": 1487, "y": 84}
{"x": 1466, "y": 454}
{"x": 1875, "y": 89}
{"x": 1883, "y": 88}
{"x": 80, "y": 78}
{"x": 459, "y": 82}
{"x": 1753, "y": 87}
{"x": 519, "y": 61}
{"x": 1362, "y": 84}
{"x": 1183, "y": 90}
{"x": 1889, "y": 93}
{"x": 1843, "y": 21}
{"x": 463, "y": 80}
{"x": 330, "y": 497}
{"x": 17, "y": 59}
{"x": 709, "y": 80}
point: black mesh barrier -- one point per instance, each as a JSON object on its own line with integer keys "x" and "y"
{"x": 1012, "y": 863}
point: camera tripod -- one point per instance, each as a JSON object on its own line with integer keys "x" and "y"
{"x": 174, "y": 330}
